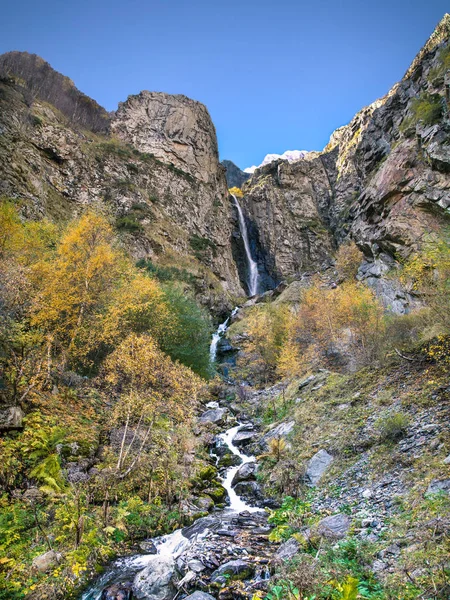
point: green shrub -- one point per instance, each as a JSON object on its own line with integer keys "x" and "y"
{"x": 201, "y": 244}
{"x": 166, "y": 273}
{"x": 129, "y": 223}
{"x": 392, "y": 427}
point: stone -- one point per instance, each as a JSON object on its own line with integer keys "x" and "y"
{"x": 446, "y": 461}
{"x": 148, "y": 547}
{"x": 334, "y": 526}
{"x": 196, "y": 565}
{"x": 244, "y": 437}
{"x": 246, "y": 472}
{"x": 287, "y": 550}
{"x": 155, "y": 582}
{"x": 235, "y": 569}
{"x": 280, "y": 431}
{"x": 33, "y": 495}
{"x": 199, "y": 596}
{"x": 437, "y": 486}
{"x": 249, "y": 490}
{"x": 317, "y": 466}
{"x": 45, "y": 562}
{"x": 11, "y": 417}
{"x": 204, "y": 503}
{"x": 117, "y": 591}
{"x": 306, "y": 382}
{"x": 213, "y": 415}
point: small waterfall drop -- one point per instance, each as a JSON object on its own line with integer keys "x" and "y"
{"x": 253, "y": 275}
{"x": 218, "y": 334}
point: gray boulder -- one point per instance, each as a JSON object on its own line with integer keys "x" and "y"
{"x": 287, "y": 550}
{"x": 45, "y": 562}
{"x": 280, "y": 431}
{"x": 235, "y": 569}
{"x": 437, "y": 486}
{"x": 317, "y": 466}
{"x": 11, "y": 417}
{"x": 199, "y": 596}
{"x": 335, "y": 526}
{"x": 249, "y": 490}
{"x": 242, "y": 438}
{"x": 213, "y": 415}
{"x": 155, "y": 582}
{"x": 246, "y": 472}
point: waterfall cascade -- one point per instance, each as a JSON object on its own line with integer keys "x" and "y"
{"x": 218, "y": 334}
{"x": 253, "y": 275}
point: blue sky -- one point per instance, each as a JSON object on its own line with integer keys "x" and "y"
{"x": 275, "y": 75}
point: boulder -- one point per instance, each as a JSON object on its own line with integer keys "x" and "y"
{"x": 117, "y": 591}
{"x": 11, "y": 417}
{"x": 45, "y": 562}
{"x": 287, "y": 550}
{"x": 234, "y": 569}
{"x": 334, "y": 527}
{"x": 199, "y": 596}
{"x": 204, "y": 503}
{"x": 244, "y": 437}
{"x": 155, "y": 582}
{"x": 246, "y": 472}
{"x": 249, "y": 490}
{"x": 437, "y": 486}
{"x": 317, "y": 466}
{"x": 213, "y": 415}
{"x": 280, "y": 431}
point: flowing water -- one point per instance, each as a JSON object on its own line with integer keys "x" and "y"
{"x": 218, "y": 334}
{"x": 174, "y": 544}
{"x": 253, "y": 275}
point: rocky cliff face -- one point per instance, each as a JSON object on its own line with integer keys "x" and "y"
{"x": 382, "y": 180}
{"x": 235, "y": 177}
{"x": 174, "y": 128}
{"x": 158, "y": 175}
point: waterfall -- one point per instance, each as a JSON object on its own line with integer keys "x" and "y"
{"x": 218, "y": 334}
{"x": 253, "y": 275}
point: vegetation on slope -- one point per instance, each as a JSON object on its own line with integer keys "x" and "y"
{"x": 94, "y": 352}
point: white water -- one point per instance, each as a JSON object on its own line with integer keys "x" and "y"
{"x": 218, "y": 334}
{"x": 236, "y": 504}
{"x": 253, "y": 275}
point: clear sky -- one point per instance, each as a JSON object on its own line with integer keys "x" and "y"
{"x": 275, "y": 75}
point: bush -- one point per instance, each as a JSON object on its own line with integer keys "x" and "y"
{"x": 128, "y": 223}
{"x": 393, "y": 427}
{"x": 348, "y": 260}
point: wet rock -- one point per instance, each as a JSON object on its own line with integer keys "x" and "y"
{"x": 249, "y": 491}
{"x": 335, "y": 526}
{"x": 245, "y": 472}
{"x": 229, "y": 460}
{"x": 155, "y": 582}
{"x": 45, "y": 562}
{"x": 199, "y": 596}
{"x": 234, "y": 569}
{"x": 244, "y": 437}
{"x": 148, "y": 547}
{"x": 287, "y": 550}
{"x": 11, "y": 417}
{"x": 213, "y": 415}
{"x": 196, "y": 565}
{"x": 118, "y": 591}
{"x": 317, "y": 466}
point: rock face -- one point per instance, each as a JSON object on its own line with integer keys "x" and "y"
{"x": 160, "y": 170}
{"x": 383, "y": 180}
{"x": 174, "y": 128}
{"x": 235, "y": 177}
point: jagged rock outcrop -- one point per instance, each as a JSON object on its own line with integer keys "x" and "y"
{"x": 174, "y": 128}
{"x": 169, "y": 200}
{"x": 382, "y": 180}
{"x": 235, "y": 177}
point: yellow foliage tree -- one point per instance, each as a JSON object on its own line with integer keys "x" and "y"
{"x": 77, "y": 283}
{"x": 235, "y": 191}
